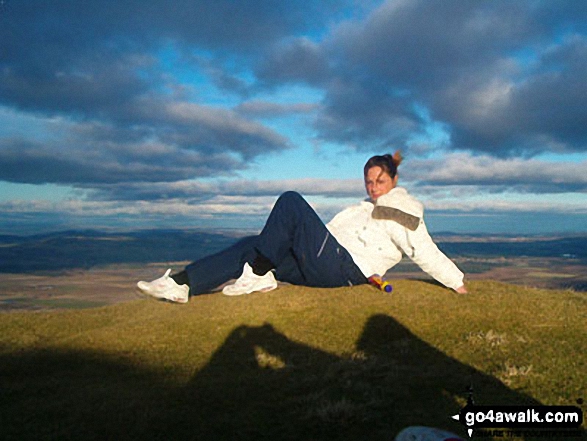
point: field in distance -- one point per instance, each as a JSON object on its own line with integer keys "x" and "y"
{"x": 89, "y": 268}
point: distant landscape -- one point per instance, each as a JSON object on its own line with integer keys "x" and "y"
{"x": 554, "y": 262}
{"x": 76, "y": 269}
{"x": 90, "y": 248}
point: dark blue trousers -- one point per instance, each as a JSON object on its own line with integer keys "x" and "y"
{"x": 295, "y": 240}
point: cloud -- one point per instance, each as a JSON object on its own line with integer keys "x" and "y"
{"x": 62, "y": 54}
{"x": 177, "y": 141}
{"x": 120, "y": 114}
{"x": 497, "y": 206}
{"x": 296, "y": 60}
{"x": 199, "y": 192}
{"x": 457, "y": 176}
{"x": 531, "y": 113}
{"x": 524, "y": 176}
{"x": 221, "y": 76}
{"x": 208, "y": 128}
{"x": 222, "y": 24}
{"x": 266, "y": 109}
{"x": 505, "y": 78}
{"x": 251, "y": 210}
{"x": 36, "y": 163}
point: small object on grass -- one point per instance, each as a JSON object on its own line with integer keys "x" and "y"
{"x": 379, "y": 282}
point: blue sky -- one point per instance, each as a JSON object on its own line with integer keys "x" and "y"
{"x": 151, "y": 114}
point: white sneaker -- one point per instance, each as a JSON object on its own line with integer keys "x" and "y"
{"x": 249, "y": 282}
{"x": 165, "y": 288}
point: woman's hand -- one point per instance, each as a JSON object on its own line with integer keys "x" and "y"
{"x": 462, "y": 290}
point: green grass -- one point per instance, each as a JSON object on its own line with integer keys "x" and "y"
{"x": 59, "y": 303}
{"x": 292, "y": 364}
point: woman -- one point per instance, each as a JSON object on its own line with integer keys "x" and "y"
{"x": 296, "y": 247}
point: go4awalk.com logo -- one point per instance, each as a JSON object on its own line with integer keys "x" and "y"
{"x": 565, "y": 418}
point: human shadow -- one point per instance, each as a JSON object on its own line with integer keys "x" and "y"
{"x": 259, "y": 384}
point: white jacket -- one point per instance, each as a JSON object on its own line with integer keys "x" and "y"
{"x": 376, "y": 235}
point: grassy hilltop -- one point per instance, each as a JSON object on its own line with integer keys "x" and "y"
{"x": 292, "y": 364}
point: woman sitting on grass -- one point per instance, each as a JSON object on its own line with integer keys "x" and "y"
{"x": 296, "y": 247}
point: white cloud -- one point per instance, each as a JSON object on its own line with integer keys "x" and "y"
{"x": 486, "y": 171}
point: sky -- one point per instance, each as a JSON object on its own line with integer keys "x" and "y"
{"x": 128, "y": 114}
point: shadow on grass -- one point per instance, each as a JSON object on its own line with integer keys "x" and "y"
{"x": 258, "y": 385}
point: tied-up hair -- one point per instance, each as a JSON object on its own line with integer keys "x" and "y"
{"x": 388, "y": 163}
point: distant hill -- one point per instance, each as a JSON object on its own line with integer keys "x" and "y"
{"x": 526, "y": 246}
{"x": 88, "y": 248}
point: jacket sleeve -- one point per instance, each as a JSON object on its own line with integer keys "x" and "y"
{"x": 419, "y": 246}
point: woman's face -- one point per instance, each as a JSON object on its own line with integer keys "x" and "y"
{"x": 378, "y": 182}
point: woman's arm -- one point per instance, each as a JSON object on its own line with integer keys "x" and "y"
{"x": 419, "y": 246}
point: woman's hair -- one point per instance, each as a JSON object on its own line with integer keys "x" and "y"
{"x": 388, "y": 163}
